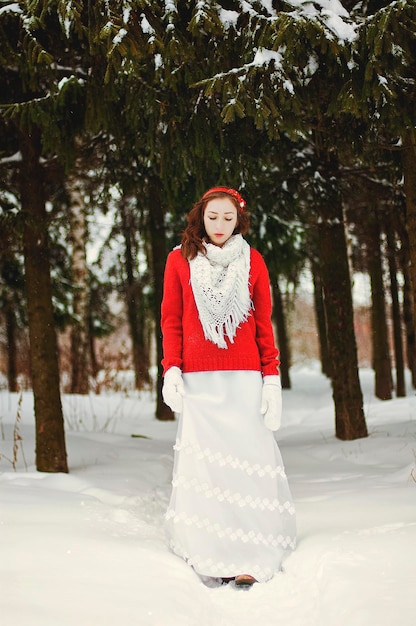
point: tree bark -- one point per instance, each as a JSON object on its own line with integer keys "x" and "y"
{"x": 94, "y": 364}
{"x": 409, "y": 172}
{"x": 80, "y": 323}
{"x": 395, "y": 308}
{"x": 336, "y": 282}
{"x": 409, "y": 324}
{"x": 134, "y": 303}
{"x": 381, "y": 353}
{"x": 320, "y": 320}
{"x": 50, "y": 437}
{"x": 159, "y": 254}
{"x": 283, "y": 341}
{"x": 11, "y": 349}
{"x": 408, "y": 314}
{"x": 10, "y": 296}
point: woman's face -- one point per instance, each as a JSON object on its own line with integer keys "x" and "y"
{"x": 220, "y": 220}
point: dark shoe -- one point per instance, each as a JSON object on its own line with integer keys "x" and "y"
{"x": 244, "y": 580}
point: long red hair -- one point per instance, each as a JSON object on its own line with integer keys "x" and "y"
{"x": 194, "y": 234}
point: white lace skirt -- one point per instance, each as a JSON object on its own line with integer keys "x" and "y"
{"x": 231, "y": 511}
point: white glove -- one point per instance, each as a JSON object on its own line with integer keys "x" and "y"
{"x": 271, "y": 402}
{"x": 173, "y": 389}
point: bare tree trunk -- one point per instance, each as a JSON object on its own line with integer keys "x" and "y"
{"x": 50, "y": 436}
{"x": 381, "y": 353}
{"x": 94, "y": 365}
{"x": 409, "y": 172}
{"x": 159, "y": 254}
{"x": 320, "y": 320}
{"x": 396, "y": 314}
{"x": 10, "y": 274}
{"x": 336, "y": 282}
{"x": 134, "y": 303}
{"x": 283, "y": 342}
{"x": 408, "y": 314}
{"x": 80, "y": 325}
{"x": 11, "y": 349}
{"x": 408, "y": 319}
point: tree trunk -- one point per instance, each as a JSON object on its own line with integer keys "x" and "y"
{"x": 381, "y": 354}
{"x": 159, "y": 254}
{"x": 50, "y": 436}
{"x": 336, "y": 282}
{"x": 409, "y": 172}
{"x": 80, "y": 323}
{"x": 10, "y": 295}
{"x": 134, "y": 303}
{"x": 11, "y": 349}
{"x": 320, "y": 320}
{"x": 395, "y": 308}
{"x": 408, "y": 314}
{"x": 408, "y": 319}
{"x": 283, "y": 342}
{"x": 94, "y": 365}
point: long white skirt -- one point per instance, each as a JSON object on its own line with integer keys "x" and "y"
{"x": 231, "y": 511}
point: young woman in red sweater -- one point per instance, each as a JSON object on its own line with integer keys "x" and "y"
{"x": 231, "y": 514}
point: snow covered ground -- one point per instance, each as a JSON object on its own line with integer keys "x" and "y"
{"x": 88, "y": 548}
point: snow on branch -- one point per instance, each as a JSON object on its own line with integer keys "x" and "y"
{"x": 11, "y": 8}
{"x": 331, "y": 14}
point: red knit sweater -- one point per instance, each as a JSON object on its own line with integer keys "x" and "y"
{"x": 184, "y": 343}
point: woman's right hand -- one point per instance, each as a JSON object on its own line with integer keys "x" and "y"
{"x": 173, "y": 389}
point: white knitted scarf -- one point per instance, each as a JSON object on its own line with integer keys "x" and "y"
{"x": 220, "y": 283}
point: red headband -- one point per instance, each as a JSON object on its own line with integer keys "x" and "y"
{"x": 231, "y": 192}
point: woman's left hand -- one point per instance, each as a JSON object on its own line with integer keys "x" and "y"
{"x": 271, "y": 402}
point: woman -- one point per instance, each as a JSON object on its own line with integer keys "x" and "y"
{"x": 231, "y": 514}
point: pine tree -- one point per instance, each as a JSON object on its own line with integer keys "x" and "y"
{"x": 56, "y": 61}
{"x": 291, "y": 85}
{"x": 382, "y": 91}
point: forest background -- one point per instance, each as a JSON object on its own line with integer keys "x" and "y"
{"x": 116, "y": 116}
